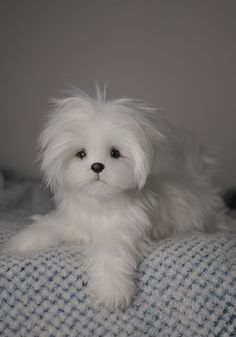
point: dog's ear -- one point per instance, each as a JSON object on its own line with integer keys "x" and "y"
{"x": 53, "y": 153}
{"x": 150, "y": 135}
{"x": 143, "y": 158}
{"x": 56, "y": 141}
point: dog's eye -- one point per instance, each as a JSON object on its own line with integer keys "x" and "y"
{"x": 115, "y": 153}
{"x": 81, "y": 154}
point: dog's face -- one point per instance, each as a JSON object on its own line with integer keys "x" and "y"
{"x": 98, "y": 147}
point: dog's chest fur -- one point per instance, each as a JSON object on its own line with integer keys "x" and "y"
{"x": 94, "y": 217}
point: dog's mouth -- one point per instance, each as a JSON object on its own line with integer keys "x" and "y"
{"x": 99, "y": 180}
{"x": 98, "y": 187}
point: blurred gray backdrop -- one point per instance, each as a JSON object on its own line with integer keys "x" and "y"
{"x": 179, "y": 55}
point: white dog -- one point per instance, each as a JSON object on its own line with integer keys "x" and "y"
{"x": 120, "y": 176}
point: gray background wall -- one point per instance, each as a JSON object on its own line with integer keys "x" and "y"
{"x": 179, "y": 55}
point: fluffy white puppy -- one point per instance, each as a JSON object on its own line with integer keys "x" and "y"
{"x": 120, "y": 176}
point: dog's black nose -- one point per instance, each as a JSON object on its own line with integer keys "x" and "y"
{"x": 97, "y": 167}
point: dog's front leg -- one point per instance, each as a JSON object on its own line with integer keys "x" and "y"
{"x": 44, "y": 232}
{"x": 111, "y": 266}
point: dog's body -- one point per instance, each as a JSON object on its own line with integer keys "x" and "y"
{"x": 120, "y": 176}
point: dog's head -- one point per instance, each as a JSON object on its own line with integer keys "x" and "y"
{"x": 98, "y": 146}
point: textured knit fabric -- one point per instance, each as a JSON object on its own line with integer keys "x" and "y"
{"x": 185, "y": 286}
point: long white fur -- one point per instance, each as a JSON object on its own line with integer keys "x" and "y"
{"x": 160, "y": 186}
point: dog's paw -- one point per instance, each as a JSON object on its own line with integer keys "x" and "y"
{"x": 27, "y": 242}
{"x": 112, "y": 292}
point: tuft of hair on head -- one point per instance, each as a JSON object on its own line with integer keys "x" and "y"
{"x": 101, "y": 93}
{"x": 75, "y": 95}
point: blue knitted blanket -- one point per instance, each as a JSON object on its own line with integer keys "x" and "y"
{"x": 186, "y": 286}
